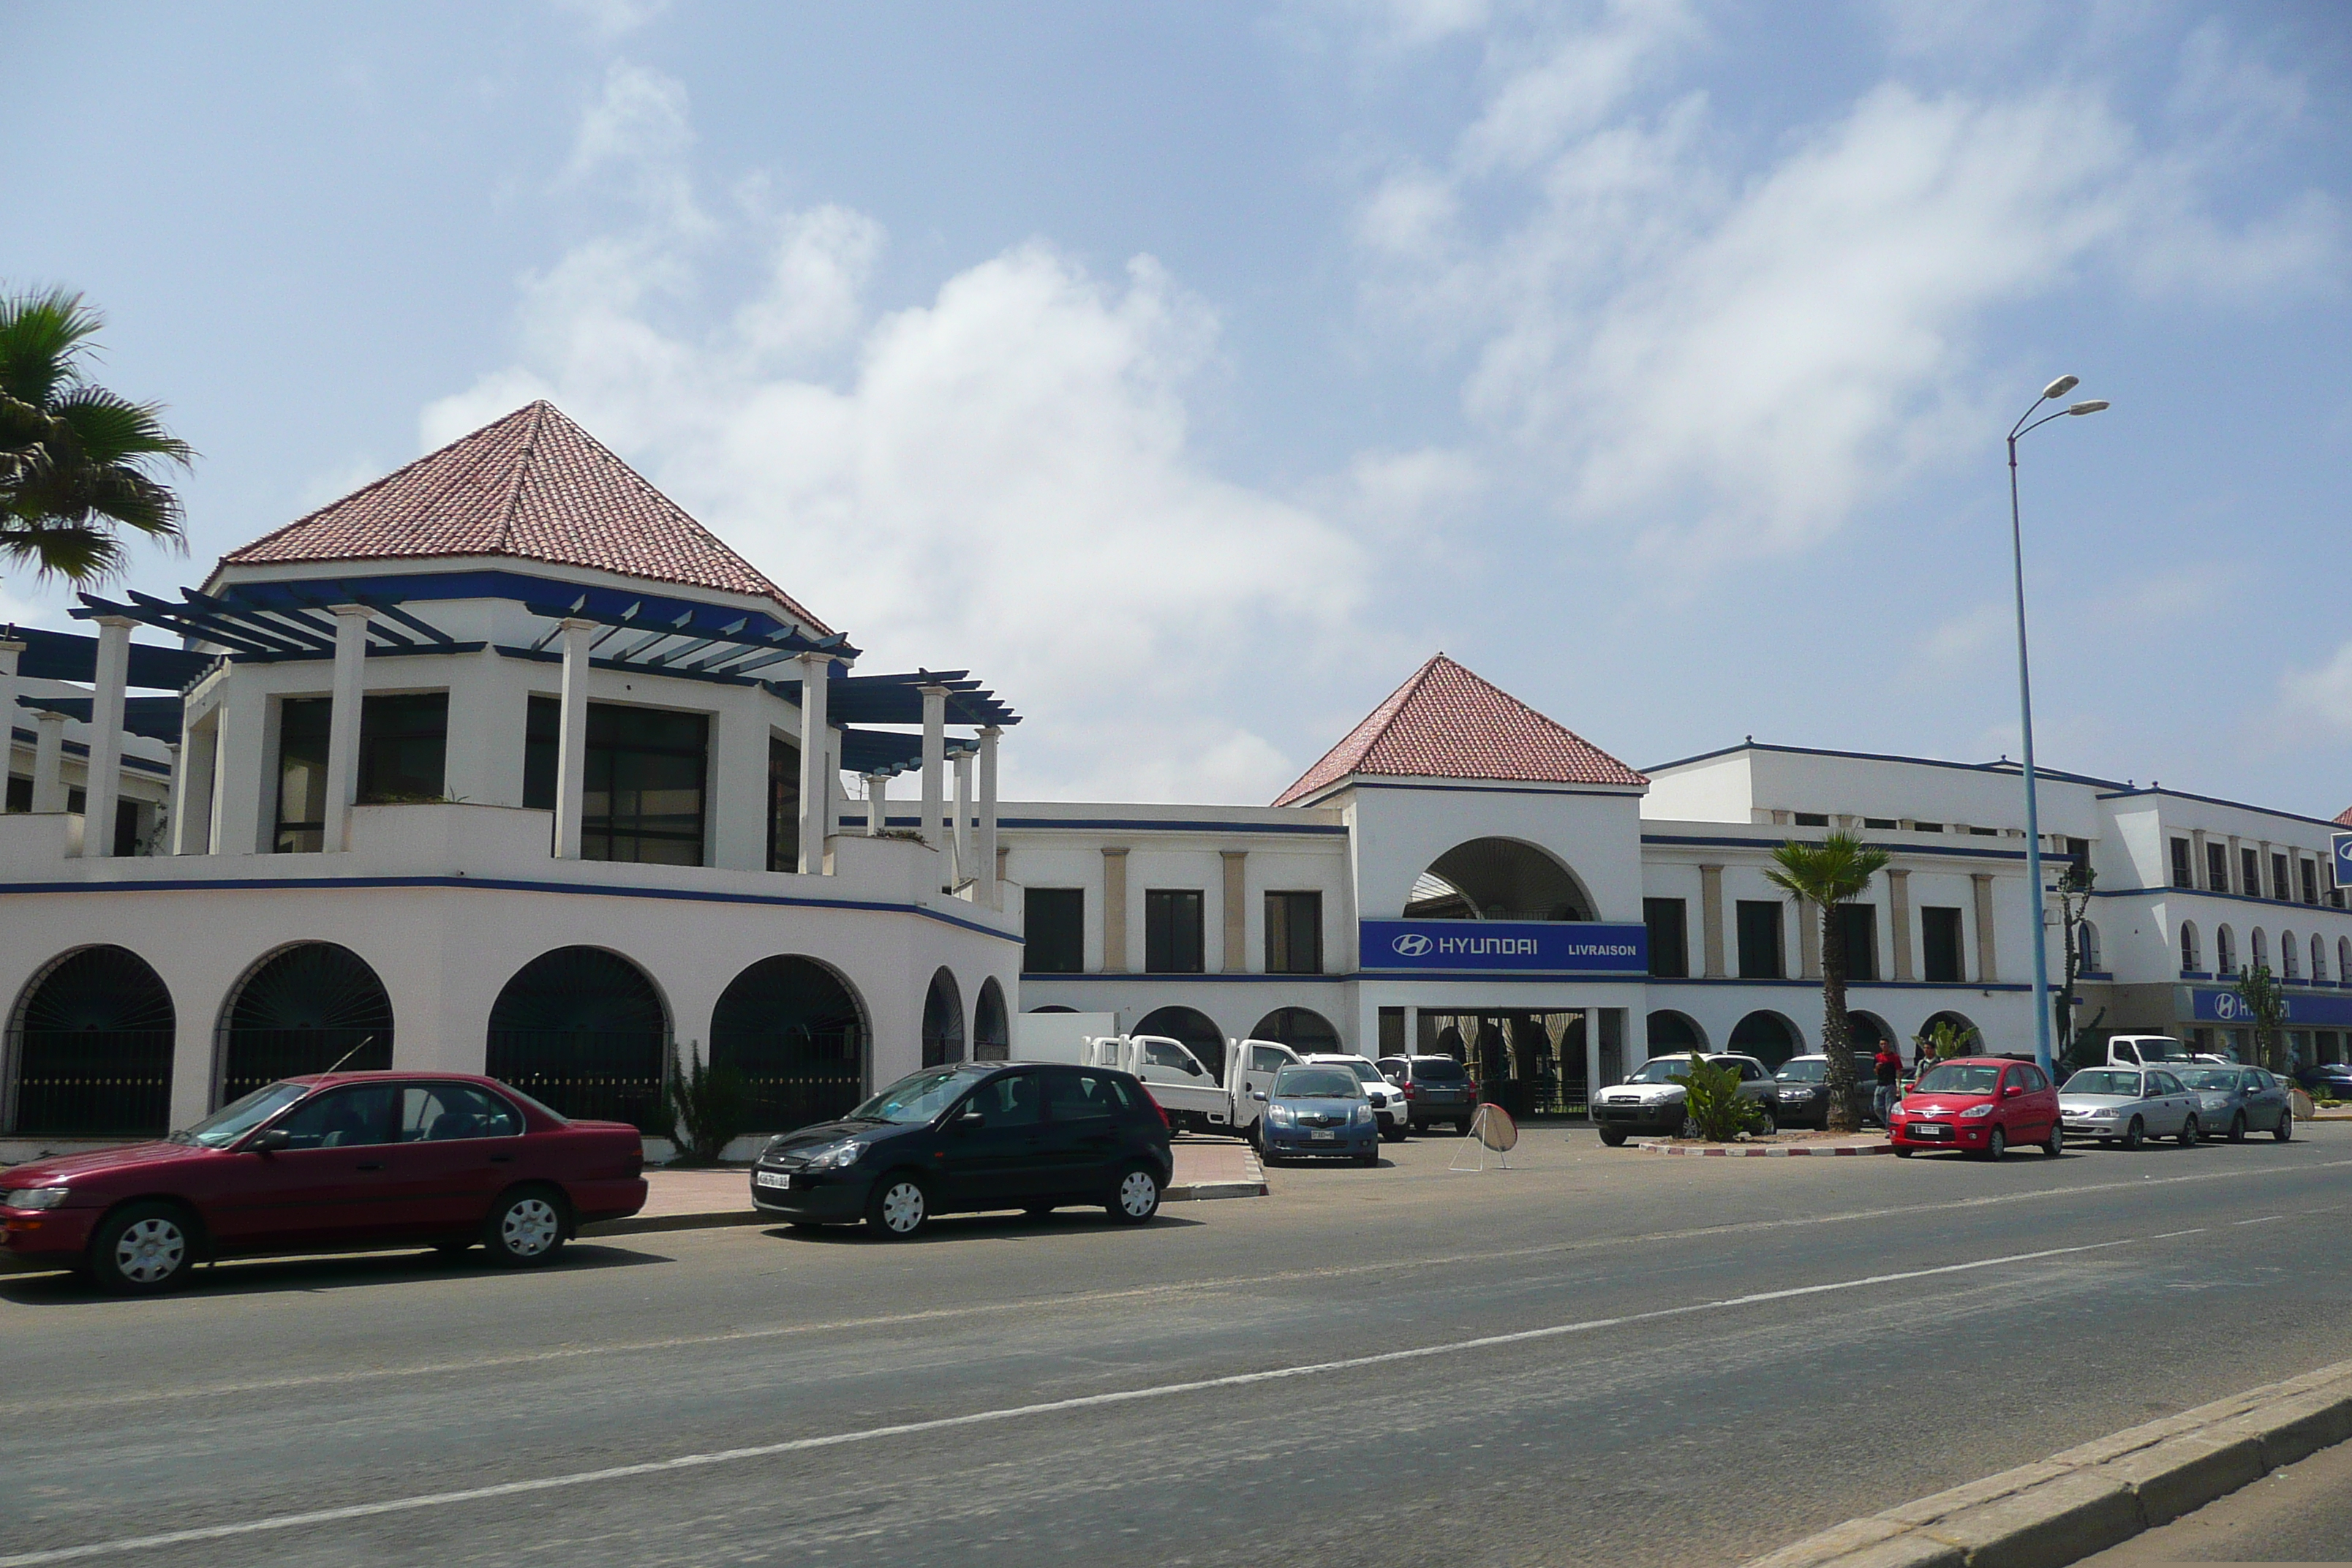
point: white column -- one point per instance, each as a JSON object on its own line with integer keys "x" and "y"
{"x": 992, "y": 892}
{"x": 192, "y": 788}
{"x": 878, "y": 804}
{"x": 1412, "y": 1032}
{"x": 9, "y": 653}
{"x": 49, "y": 760}
{"x": 571, "y": 740}
{"x": 103, "y": 787}
{"x": 935, "y": 752}
{"x": 343, "y": 725}
{"x": 964, "y": 871}
{"x": 816, "y": 786}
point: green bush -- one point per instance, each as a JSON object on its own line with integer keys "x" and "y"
{"x": 706, "y": 1107}
{"x": 1712, "y": 1101}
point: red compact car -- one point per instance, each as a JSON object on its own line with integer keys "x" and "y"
{"x": 1986, "y": 1105}
{"x": 369, "y": 1159}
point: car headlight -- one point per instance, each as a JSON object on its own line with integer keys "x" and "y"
{"x": 1362, "y": 1117}
{"x": 2101, "y": 1113}
{"x": 35, "y": 1197}
{"x": 1974, "y": 1112}
{"x": 835, "y": 1155}
{"x": 1280, "y": 1115}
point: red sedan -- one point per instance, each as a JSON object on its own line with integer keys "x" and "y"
{"x": 1983, "y": 1104}
{"x": 332, "y": 1161}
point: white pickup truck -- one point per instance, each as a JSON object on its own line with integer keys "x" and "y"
{"x": 2152, "y": 1050}
{"x": 1194, "y": 1099}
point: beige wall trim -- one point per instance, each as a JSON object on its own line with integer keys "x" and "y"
{"x": 1114, "y": 913}
{"x": 1988, "y": 958}
{"x": 1237, "y": 911}
{"x": 1810, "y": 916}
{"x": 1898, "y": 920}
{"x": 1710, "y": 884}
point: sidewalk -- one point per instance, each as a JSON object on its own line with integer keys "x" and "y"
{"x": 1783, "y": 1144}
{"x": 698, "y": 1200}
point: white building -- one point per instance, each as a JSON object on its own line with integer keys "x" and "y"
{"x": 505, "y": 763}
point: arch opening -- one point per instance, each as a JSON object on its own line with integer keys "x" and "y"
{"x": 1768, "y": 1036}
{"x": 583, "y": 1031}
{"x": 89, "y": 1049}
{"x": 1868, "y": 1031}
{"x": 1303, "y": 1029}
{"x": 1965, "y": 1028}
{"x": 1195, "y": 1029}
{"x": 942, "y": 1021}
{"x": 793, "y": 1029}
{"x": 1498, "y": 879}
{"x": 991, "y": 1030}
{"x": 2188, "y": 965}
{"x": 304, "y": 1010}
{"x": 1675, "y": 1033}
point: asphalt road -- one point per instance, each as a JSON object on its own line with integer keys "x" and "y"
{"x": 1602, "y": 1356}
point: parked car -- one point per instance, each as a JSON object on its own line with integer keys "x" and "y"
{"x": 1801, "y": 1091}
{"x": 1436, "y": 1088}
{"x": 1650, "y": 1102}
{"x": 2326, "y": 1081}
{"x": 1981, "y": 1104}
{"x": 331, "y": 1161}
{"x": 1324, "y": 1111}
{"x": 2128, "y": 1105}
{"x": 1389, "y": 1105}
{"x": 979, "y": 1135}
{"x": 2239, "y": 1098}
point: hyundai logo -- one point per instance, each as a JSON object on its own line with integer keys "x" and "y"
{"x": 1412, "y": 944}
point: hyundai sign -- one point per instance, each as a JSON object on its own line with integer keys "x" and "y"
{"x": 1491, "y": 947}
{"x": 2210, "y": 1005}
{"x": 2342, "y": 843}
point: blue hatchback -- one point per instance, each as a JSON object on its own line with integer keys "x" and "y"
{"x": 1313, "y": 1110}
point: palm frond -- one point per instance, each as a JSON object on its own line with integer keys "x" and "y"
{"x": 114, "y": 429}
{"x": 41, "y": 332}
{"x": 1833, "y": 871}
{"x": 74, "y": 551}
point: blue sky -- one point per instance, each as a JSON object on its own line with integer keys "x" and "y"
{"x": 1193, "y": 372}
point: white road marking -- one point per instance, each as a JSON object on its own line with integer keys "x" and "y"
{"x": 2263, "y": 1219}
{"x": 2167, "y": 1236}
{"x": 1009, "y": 1413}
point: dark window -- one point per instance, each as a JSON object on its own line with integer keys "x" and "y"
{"x": 2079, "y": 848}
{"x": 1016, "y": 1099}
{"x": 302, "y": 726}
{"x": 2180, "y": 873}
{"x": 1940, "y": 943}
{"x": 126, "y": 822}
{"x": 1878, "y": 822}
{"x": 1861, "y": 921}
{"x": 1172, "y": 931}
{"x": 643, "y": 792}
{"x": 2282, "y": 885}
{"x": 2250, "y": 868}
{"x": 1080, "y": 1096}
{"x": 1054, "y": 932}
{"x": 20, "y": 792}
{"x": 784, "y": 805}
{"x": 1984, "y": 832}
{"x": 1926, "y": 827}
{"x": 1294, "y": 933}
{"x": 1759, "y": 940}
{"x": 2217, "y": 869}
{"x": 2311, "y": 881}
{"x": 1669, "y": 938}
{"x": 344, "y": 1118}
{"x": 439, "y": 1113}
{"x": 1813, "y": 819}
{"x": 404, "y": 745}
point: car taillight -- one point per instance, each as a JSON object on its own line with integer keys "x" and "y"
{"x": 1156, "y": 1111}
{"x": 1412, "y": 1092}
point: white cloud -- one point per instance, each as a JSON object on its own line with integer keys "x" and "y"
{"x": 607, "y": 20}
{"x": 1967, "y": 639}
{"x": 2323, "y": 692}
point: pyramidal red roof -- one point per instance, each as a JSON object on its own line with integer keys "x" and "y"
{"x": 1446, "y": 723}
{"x": 534, "y": 486}
{"x": 2343, "y": 817}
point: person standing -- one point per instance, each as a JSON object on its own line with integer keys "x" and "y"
{"x": 1890, "y": 1073}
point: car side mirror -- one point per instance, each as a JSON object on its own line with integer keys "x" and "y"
{"x": 971, "y": 1116}
{"x": 2013, "y": 1092}
{"x": 269, "y": 1141}
{"x": 1258, "y": 1095}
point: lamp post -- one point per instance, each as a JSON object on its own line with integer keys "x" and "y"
{"x": 2026, "y": 424}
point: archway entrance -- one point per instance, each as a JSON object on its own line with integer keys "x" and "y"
{"x": 1868, "y": 1031}
{"x": 1961, "y": 1029}
{"x": 942, "y": 1021}
{"x": 1303, "y": 1029}
{"x": 583, "y": 1031}
{"x": 991, "y": 1030}
{"x": 1673, "y": 1034}
{"x": 1768, "y": 1036}
{"x": 92, "y": 1048}
{"x": 1498, "y": 879}
{"x": 308, "y": 1008}
{"x": 1530, "y": 1063}
{"x": 792, "y": 1029}
{"x": 1195, "y": 1029}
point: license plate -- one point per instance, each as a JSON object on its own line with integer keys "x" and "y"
{"x": 781, "y": 1180}
{"x": 1930, "y": 1133}
{"x": 1323, "y": 1137}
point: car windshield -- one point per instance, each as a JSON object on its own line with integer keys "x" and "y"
{"x": 2212, "y": 1078}
{"x": 918, "y": 1097}
{"x": 2104, "y": 1080}
{"x": 233, "y": 1121}
{"x": 1660, "y": 1069}
{"x": 1362, "y": 1070}
{"x": 1957, "y": 1077}
{"x": 1804, "y": 1072}
{"x": 1438, "y": 1069}
{"x": 1317, "y": 1083}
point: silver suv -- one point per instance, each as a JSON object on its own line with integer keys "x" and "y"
{"x": 1650, "y": 1102}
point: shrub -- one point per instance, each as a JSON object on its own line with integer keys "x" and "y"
{"x": 707, "y": 1106}
{"x": 1713, "y": 1103}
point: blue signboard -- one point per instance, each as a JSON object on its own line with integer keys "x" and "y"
{"x": 1493, "y": 947}
{"x": 2210, "y": 1005}
{"x": 2342, "y": 843}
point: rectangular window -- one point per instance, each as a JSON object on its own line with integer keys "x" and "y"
{"x": 784, "y": 805}
{"x": 2250, "y": 873}
{"x": 1054, "y": 931}
{"x": 2181, "y": 877}
{"x": 1813, "y": 819}
{"x": 1860, "y": 940}
{"x": 302, "y": 726}
{"x": 1759, "y": 940}
{"x": 1294, "y": 933}
{"x": 2217, "y": 867}
{"x": 1172, "y": 931}
{"x": 1669, "y": 938}
{"x": 20, "y": 792}
{"x": 643, "y": 786}
{"x": 1878, "y": 822}
{"x": 1939, "y": 943}
{"x": 1926, "y": 827}
{"x": 403, "y": 747}
{"x": 126, "y": 822}
{"x": 1984, "y": 832}
{"x": 2311, "y": 881}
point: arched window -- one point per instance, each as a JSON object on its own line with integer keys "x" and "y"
{"x": 992, "y": 1031}
{"x": 1768, "y": 1036}
{"x": 1195, "y": 1029}
{"x": 584, "y": 1031}
{"x": 2225, "y": 951}
{"x": 2318, "y": 958}
{"x": 1498, "y": 879}
{"x": 792, "y": 1029}
{"x": 2259, "y": 950}
{"x": 307, "y": 1008}
{"x": 2088, "y": 934}
{"x": 1673, "y": 1033}
{"x": 1303, "y": 1029}
{"x": 90, "y": 1049}
{"x": 2290, "y": 956}
{"x": 942, "y": 1021}
{"x": 2344, "y": 961}
{"x": 2189, "y": 953}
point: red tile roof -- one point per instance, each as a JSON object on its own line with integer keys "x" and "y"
{"x": 534, "y": 486}
{"x": 2343, "y": 817}
{"x": 1446, "y": 723}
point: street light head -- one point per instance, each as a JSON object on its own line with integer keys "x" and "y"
{"x": 2091, "y": 406}
{"x": 2061, "y": 387}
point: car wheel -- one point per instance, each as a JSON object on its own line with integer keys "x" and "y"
{"x": 1613, "y": 1136}
{"x": 525, "y": 1228}
{"x": 2135, "y": 1135}
{"x": 1393, "y": 1134}
{"x": 2055, "y": 1145}
{"x": 1370, "y": 1159}
{"x": 141, "y": 1250}
{"x": 2286, "y": 1126}
{"x": 2238, "y": 1127}
{"x": 2188, "y": 1133}
{"x": 1771, "y": 1121}
{"x": 1997, "y": 1146}
{"x": 1137, "y": 1198}
{"x": 898, "y": 1209}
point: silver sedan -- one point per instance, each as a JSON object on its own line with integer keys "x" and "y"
{"x": 2128, "y": 1105}
{"x": 2241, "y": 1099}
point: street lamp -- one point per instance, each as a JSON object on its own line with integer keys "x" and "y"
{"x": 2026, "y": 424}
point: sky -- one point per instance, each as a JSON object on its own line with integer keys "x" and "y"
{"x": 1191, "y": 373}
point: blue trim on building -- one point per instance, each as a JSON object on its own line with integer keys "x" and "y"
{"x": 1769, "y": 845}
{"x": 2225, "y": 897}
{"x": 1851, "y": 985}
{"x": 2329, "y": 823}
{"x": 1133, "y": 974}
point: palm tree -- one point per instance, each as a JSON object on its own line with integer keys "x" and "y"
{"x": 75, "y": 460}
{"x": 1829, "y": 874}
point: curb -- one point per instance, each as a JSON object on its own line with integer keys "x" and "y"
{"x": 645, "y": 1225}
{"x": 1763, "y": 1151}
{"x": 2097, "y": 1494}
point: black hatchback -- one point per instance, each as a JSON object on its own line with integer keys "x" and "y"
{"x": 980, "y": 1135}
